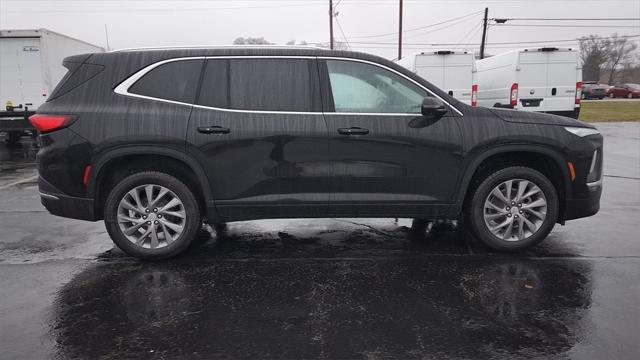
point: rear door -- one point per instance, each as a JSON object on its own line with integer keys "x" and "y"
{"x": 532, "y": 81}
{"x": 431, "y": 68}
{"x": 21, "y": 72}
{"x": 258, "y": 130}
{"x": 458, "y": 76}
{"x": 561, "y": 81}
{"x": 385, "y": 156}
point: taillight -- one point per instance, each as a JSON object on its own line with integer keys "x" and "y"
{"x": 578, "y": 92}
{"x": 474, "y": 95}
{"x": 513, "y": 97}
{"x": 45, "y": 123}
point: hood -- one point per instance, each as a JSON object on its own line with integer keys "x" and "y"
{"x": 528, "y": 117}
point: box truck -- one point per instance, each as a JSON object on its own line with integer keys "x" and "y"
{"x": 30, "y": 68}
{"x": 451, "y": 71}
{"x": 547, "y": 79}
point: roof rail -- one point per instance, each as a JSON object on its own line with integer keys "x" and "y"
{"x": 218, "y": 47}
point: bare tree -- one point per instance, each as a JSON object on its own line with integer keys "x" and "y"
{"x": 293, "y": 42}
{"x": 594, "y": 52}
{"x": 620, "y": 53}
{"x": 251, "y": 41}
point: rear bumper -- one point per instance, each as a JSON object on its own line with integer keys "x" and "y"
{"x": 569, "y": 113}
{"x": 63, "y": 205}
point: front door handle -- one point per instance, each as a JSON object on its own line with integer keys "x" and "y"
{"x": 353, "y": 131}
{"x": 213, "y": 130}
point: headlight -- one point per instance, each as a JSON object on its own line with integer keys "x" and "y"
{"x": 582, "y": 132}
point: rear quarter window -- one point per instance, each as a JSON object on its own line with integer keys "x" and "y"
{"x": 175, "y": 81}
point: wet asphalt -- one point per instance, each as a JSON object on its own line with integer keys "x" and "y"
{"x": 322, "y": 288}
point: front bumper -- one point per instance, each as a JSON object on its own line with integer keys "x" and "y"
{"x": 583, "y": 207}
{"x": 63, "y": 205}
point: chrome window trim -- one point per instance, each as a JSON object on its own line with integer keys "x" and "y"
{"x": 123, "y": 87}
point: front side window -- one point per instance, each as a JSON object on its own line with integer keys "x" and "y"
{"x": 176, "y": 81}
{"x": 365, "y": 88}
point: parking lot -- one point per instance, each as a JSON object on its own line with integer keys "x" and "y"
{"x": 329, "y": 288}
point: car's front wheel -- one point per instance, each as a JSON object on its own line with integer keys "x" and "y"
{"x": 152, "y": 215}
{"x": 512, "y": 209}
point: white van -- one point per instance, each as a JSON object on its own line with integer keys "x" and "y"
{"x": 451, "y": 71}
{"x": 547, "y": 79}
{"x": 30, "y": 68}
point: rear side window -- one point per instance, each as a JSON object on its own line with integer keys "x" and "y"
{"x": 176, "y": 81}
{"x": 262, "y": 84}
{"x": 215, "y": 85}
{"x": 76, "y": 75}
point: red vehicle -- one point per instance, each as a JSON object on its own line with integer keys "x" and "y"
{"x": 625, "y": 90}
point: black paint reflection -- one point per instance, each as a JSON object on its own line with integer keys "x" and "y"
{"x": 443, "y": 306}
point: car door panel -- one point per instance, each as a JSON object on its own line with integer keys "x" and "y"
{"x": 263, "y": 163}
{"x": 403, "y": 163}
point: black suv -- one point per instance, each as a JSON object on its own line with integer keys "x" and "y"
{"x": 157, "y": 141}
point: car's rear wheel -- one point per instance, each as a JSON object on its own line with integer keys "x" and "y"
{"x": 152, "y": 215}
{"x": 630, "y": 95}
{"x": 512, "y": 209}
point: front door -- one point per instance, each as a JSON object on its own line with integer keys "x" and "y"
{"x": 384, "y": 154}
{"x": 259, "y": 132}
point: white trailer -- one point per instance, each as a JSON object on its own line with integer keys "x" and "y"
{"x": 451, "y": 71}
{"x": 544, "y": 79}
{"x": 30, "y": 68}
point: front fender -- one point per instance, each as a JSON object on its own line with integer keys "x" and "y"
{"x": 477, "y": 157}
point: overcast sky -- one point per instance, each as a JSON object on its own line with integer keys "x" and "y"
{"x": 205, "y": 22}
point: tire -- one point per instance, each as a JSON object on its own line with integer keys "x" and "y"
{"x": 612, "y": 95}
{"x": 482, "y": 191}
{"x": 630, "y": 95}
{"x": 176, "y": 227}
{"x": 13, "y": 137}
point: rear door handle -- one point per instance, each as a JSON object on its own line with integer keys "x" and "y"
{"x": 213, "y": 130}
{"x": 353, "y": 131}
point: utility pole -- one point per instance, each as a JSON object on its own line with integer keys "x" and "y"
{"x": 484, "y": 32}
{"x": 400, "y": 32}
{"x": 331, "y": 24}
{"x": 106, "y": 34}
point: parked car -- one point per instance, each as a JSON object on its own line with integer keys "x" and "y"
{"x": 157, "y": 141}
{"x": 547, "y": 79}
{"x": 592, "y": 90}
{"x": 451, "y": 71}
{"x": 625, "y": 90}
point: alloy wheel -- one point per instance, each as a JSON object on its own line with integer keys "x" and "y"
{"x": 151, "y": 216}
{"x": 515, "y": 209}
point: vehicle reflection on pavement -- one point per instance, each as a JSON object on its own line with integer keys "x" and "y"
{"x": 400, "y": 307}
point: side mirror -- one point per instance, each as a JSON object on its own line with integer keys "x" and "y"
{"x": 433, "y": 108}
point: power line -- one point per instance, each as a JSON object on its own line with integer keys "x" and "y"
{"x": 342, "y": 32}
{"x": 566, "y": 26}
{"x": 418, "y": 28}
{"x": 568, "y": 19}
{"x": 495, "y": 43}
{"x": 163, "y": 9}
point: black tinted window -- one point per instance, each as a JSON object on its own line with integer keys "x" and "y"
{"x": 176, "y": 80}
{"x": 215, "y": 84}
{"x": 273, "y": 85}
